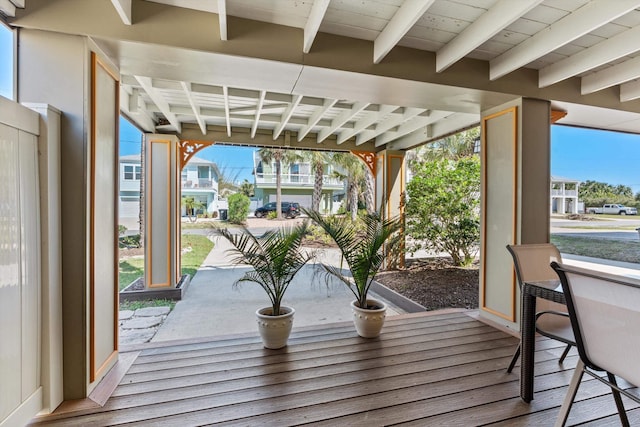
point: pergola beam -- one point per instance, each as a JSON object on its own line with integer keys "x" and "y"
{"x": 389, "y": 123}
{"x": 411, "y": 126}
{"x": 286, "y": 117}
{"x": 123, "y": 7}
{"x": 316, "y": 117}
{"x": 490, "y": 23}
{"x": 196, "y": 110}
{"x": 584, "y": 20}
{"x": 222, "y": 18}
{"x": 341, "y": 120}
{"x": 621, "y": 73}
{"x": 256, "y": 120}
{"x": 608, "y": 50}
{"x": 400, "y": 24}
{"x": 312, "y": 26}
{"x": 225, "y": 94}
{"x": 158, "y": 99}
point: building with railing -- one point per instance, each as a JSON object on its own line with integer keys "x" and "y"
{"x": 564, "y": 195}
{"x": 297, "y": 182}
{"x": 199, "y": 180}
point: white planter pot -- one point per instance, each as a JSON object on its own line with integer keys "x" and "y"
{"x": 369, "y": 322}
{"x": 275, "y": 330}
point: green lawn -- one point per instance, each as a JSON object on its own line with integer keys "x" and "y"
{"x": 616, "y": 250}
{"x": 197, "y": 248}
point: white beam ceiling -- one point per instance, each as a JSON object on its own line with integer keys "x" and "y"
{"x": 123, "y": 7}
{"x": 8, "y": 8}
{"x": 589, "y": 17}
{"x": 400, "y": 24}
{"x": 501, "y": 15}
{"x": 590, "y": 40}
{"x": 222, "y": 18}
{"x": 312, "y": 26}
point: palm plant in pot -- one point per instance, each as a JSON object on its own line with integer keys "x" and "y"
{"x": 276, "y": 258}
{"x": 364, "y": 251}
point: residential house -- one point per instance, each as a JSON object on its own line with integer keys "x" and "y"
{"x": 564, "y": 195}
{"x": 199, "y": 180}
{"x": 297, "y": 182}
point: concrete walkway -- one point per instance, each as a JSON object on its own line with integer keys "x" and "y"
{"x": 212, "y": 306}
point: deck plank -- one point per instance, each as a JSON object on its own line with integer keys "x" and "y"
{"x": 447, "y": 369}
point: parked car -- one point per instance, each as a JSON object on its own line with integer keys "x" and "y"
{"x": 289, "y": 209}
{"x": 613, "y": 209}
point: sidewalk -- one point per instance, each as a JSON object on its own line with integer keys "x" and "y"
{"x": 212, "y": 306}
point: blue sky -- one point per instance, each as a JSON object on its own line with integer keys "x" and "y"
{"x": 587, "y": 154}
{"x": 582, "y": 154}
{"x": 235, "y": 162}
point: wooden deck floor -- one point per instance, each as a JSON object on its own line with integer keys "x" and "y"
{"x": 441, "y": 370}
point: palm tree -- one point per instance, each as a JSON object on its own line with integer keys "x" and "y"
{"x": 354, "y": 174}
{"x": 317, "y": 159}
{"x": 364, "y": 251}
{"x": 278, "y": 156}
{"x": 275, "y": 257}
{"x": 247, "y": 188}
{"x": 191, "y": 205}
{"x": 452, "y": 147}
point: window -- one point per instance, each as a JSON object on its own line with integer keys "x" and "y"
{"x": 7, "y": 68}
{"x": 132, "y": 172}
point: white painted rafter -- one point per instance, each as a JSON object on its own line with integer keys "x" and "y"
{"x": 286, "y": 117}
{"x": 8, "y": 8}
{"x": 123, "y": 7}
{"x": 256, "y": 119}
{"x": 630, "y": 91}
{"x": 400, "y": 24}
{"x": 194, "y": 107}
{"x": 365, "y": 122}
{"x": 389, "y": 123}
{"x": 222, "y": 18}
{"x": 501, "y": 15}
{"x": 161, "y": 103}
{"x": 316, "y": 117}
{"x": 339, "y": 121}
{"x": 312, "y": 26}
{"x": 608, "y": 50}
{"x": 589, "y": 17}
{"x": 452, "y": 123}
{"x": 225, "y": 94}
{"x": 410, "y": 126}
{"x": 620, "y": 73}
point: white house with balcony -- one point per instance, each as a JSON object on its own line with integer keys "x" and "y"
{"x": 564, "y": 195}
{"x": 297, "y": 182}
{"x": 199, "y": 180}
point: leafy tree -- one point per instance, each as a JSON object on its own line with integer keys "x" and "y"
{"x": 247, "y": 188}
{"x": 442, "y": 211}
{"x": 238, "y": 208}
{"x": 192, "y": 205}
{"x": 278, "y": 156}
{"x": 594, "y": 193}
{"x": 452, "y": 147}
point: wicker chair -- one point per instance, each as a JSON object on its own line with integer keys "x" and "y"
{"x": 532, "y": 263}
{"x": 605, "y": 316}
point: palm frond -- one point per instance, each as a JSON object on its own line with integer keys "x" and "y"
{"x": 364, "y": 252}
{"x": 275, "y": 257}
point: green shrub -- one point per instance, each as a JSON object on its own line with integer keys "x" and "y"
{"x": 132, "y": 241}
{"x": 272, "y": 215}
{"x": 238, "y": 208}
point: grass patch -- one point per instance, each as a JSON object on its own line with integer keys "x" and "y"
{"x": 129, "y": 270}
{"x": 615, "y": 250}
{"x": 134, "y": 305}
{"x": 199, "y": 247}
{"x": 206, "y": 225}
{"x": 195, "y": 249}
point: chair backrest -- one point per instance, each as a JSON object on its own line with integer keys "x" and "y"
{"x": 605, "y": 317}
{"x": 532, "y": 261}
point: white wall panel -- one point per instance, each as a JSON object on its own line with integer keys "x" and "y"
{"x": 10, "y": 305}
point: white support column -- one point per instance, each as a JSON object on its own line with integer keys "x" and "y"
{"x": 515, "y": 198}
{"x": 162, "y": 212}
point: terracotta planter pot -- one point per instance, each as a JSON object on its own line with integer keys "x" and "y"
{"x": 369, "y": 323}
{"x": 275, "y": 330}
